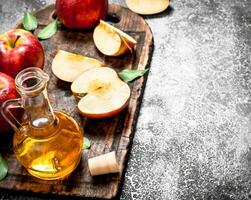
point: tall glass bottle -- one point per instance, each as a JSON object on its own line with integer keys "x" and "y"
{"x": 47, "y": 143}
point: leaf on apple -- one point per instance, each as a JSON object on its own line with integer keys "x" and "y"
{"x": 29, "y": 21}
{"x": 87, "y": 143}
{"x": 129, "y": 75}
{"x": 3, "y": 168}
{"x": 48, "y": 31}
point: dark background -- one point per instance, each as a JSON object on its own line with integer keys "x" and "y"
{"x": 193, "y": 136}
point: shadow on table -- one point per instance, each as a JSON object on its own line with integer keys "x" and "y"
{"x": 168, "y": 12}
{"x": 8, "y": 194}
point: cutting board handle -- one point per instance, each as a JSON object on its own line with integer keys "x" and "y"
{"x": 53, "y": 15}
{"x": 113, "y": 18}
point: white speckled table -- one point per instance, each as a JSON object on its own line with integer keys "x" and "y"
{"x": 193, "y": 138}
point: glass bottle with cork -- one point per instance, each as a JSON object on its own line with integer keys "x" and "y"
{"x": 47, "y": 143}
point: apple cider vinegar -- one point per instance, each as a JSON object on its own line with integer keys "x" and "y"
{"x": 47, "y": 143}
{"x": 55, "y": 153}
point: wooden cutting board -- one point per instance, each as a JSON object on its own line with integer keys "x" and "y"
{"x": 106, "y": 135}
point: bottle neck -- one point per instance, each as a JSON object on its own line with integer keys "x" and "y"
{"x": 38, "y": 110}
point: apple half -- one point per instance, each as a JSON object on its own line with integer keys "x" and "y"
{"x": 101, "y": 93}
{"x": 147, "y": 7}
{"x": 111, "y": 41}
{"x": 68, "y": 66}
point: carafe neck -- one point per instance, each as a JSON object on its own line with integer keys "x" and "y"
{"x": 31, "y": 84}
{"x": 38, "y": 110}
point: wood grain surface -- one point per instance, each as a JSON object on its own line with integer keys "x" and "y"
{"x": 106, "y": 135}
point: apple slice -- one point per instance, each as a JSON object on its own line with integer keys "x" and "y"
{"x": 103, "y": 93}
{"x": 147, "y": 7}
{"x": 68, "y": 66}
{"x": 101, "y": 103}
{"x": 112, "y": 41}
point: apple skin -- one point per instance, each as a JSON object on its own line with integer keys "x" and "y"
{"x": 27, "y": 51}
{"x": 105, "y": 115}
{"x": 7, "y": 91}
{"x": 81, "y": 14}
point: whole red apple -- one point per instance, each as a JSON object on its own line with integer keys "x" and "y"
{"x": 81, "y": 14}
{"x": 19, "y": 49}
{"x": 7, "y": 91}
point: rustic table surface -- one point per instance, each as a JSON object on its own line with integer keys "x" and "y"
{"x": 193, "y": 138}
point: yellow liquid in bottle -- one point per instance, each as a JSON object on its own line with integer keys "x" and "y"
{"x": 50, "y": 153}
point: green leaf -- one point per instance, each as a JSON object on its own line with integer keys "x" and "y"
{"x": 131, "y": 74}
{"x": 49, "y": 30}
{"x": 29, "y": 21}
{"x": 3, "y": 168}
{"x": 87, "y": 143}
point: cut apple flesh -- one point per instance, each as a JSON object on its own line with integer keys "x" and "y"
{"x": 112, "y": 99}
{"x": 122, "y": 34}
{"x": 112, "y": 41}
{"x": 84, "y": 82}
{"x": 105, "y": 94}
{"x": 68, "y": 66}
{"x": 105, "y": 37}
{"x": 147, "y": 7}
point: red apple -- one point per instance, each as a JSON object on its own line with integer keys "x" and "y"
{"x": 7, "y": 91}
{"x": 19, "y": 49}
{"x": 81, "y": 14}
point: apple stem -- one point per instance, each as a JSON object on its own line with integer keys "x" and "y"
{"x": 14, "y": 44}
